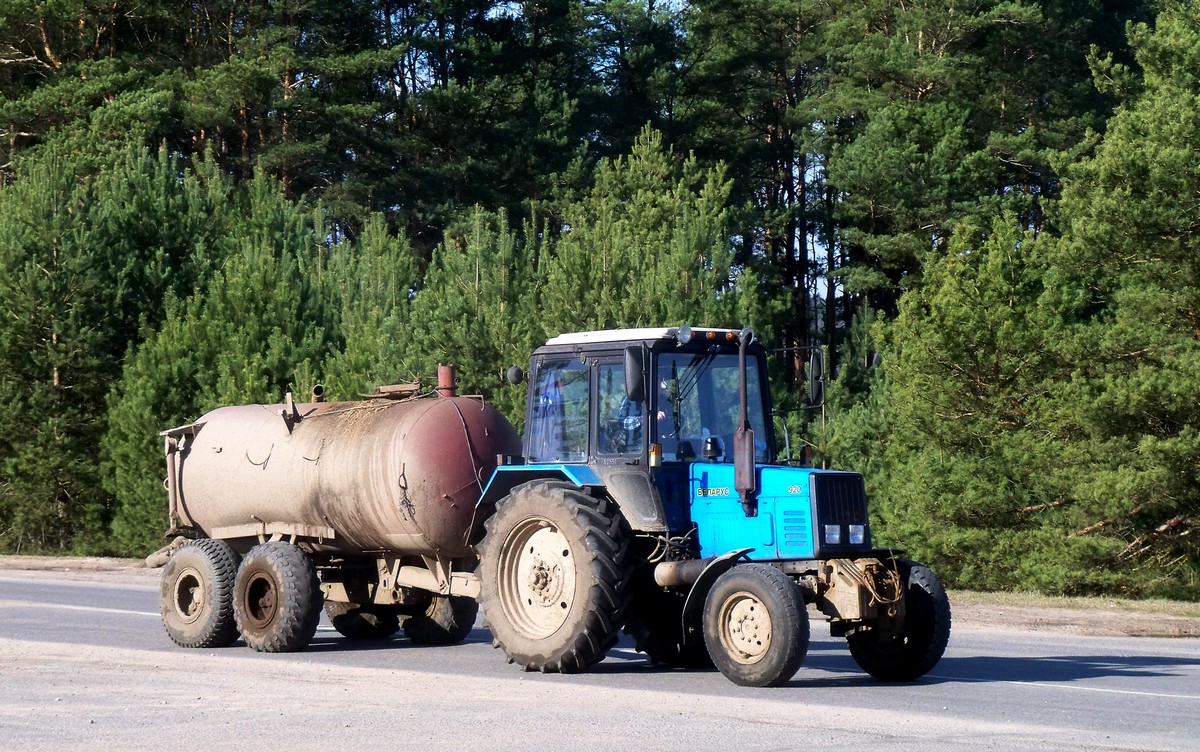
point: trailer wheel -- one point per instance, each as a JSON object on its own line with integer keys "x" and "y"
{"x": 277, "y": 598}
{"x": 756, "y": 626}
{"x": 654, "y": 620}
{"x": 553, "y": 577}
{"x": 195, "y": 595}
{"x": 362, "y": 622}
{"x": 924, "y": 635}
{"x": 447, "y": 621}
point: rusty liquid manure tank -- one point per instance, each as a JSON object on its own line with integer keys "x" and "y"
{"x": 369, "y": 505}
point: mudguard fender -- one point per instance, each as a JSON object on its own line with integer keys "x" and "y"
{"x": 693, "y": 606}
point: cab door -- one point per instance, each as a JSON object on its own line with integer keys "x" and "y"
{"x": 619, "y": 456}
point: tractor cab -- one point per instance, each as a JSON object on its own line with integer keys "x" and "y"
{"x": 636, "y": 409}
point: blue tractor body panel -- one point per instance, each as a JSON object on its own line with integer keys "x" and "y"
{"x": 789, "y": 511}
{"x": 508, "y": 477}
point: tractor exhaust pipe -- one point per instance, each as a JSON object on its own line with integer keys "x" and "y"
{"x": 679, "y": 573}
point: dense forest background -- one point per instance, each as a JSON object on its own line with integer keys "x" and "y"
{"x": 985, "y": 212}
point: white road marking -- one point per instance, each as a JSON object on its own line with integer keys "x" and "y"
{"x": 65, "y": 607}
{"x": 1075, "y": 687}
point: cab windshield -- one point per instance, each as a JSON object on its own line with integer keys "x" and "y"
{"x": 695, "y": 406}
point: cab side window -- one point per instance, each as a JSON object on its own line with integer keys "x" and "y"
{"x": 558, "y": 415}
{"x": 621, "y": 420}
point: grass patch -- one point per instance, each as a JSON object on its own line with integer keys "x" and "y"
{"x": 1108, "y": 605}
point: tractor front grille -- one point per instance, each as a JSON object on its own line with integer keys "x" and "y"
{"x": 839, "y": 498}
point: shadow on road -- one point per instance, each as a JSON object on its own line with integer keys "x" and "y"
{"x": 1063, "y": 668}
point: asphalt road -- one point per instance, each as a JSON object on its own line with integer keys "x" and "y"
{"x": 85, "y": 664}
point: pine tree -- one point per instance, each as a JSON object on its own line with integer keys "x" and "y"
{"x": 1127, "y": 281}
{"x": 648, "y": 246}
{"x": 476, "y": 310}
{"x": 51, "y": 367}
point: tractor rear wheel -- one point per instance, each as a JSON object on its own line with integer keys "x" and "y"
{"x": 756, "y": 626}
{"x": 553, "y": 576}
{"x": 277, "y": 598}
{"x": 922, "y": 638}
{"x": 195, "y": 595}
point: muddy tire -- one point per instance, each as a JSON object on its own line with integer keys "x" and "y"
{"x": 447, "y": 621}
{"x": 654, "y": 619}
{"x": 755, "y": 626}
{"x": 553, "y": 577}
{"x": 195, "y": 595}
{"x": 277, "y": 598}
{"x": 363, "y": 622}
{"x": 924, "y": 635}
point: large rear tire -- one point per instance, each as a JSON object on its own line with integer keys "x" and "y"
{"x": 277, "y": 598}
{"x": 923, "y": 637}
{"x": 756, "y": 626}
{"x": 447, "y": 621}
{"x": 363, "y": 622}
{"x": 553, "y": 576}
{"x": 195, "y": 595}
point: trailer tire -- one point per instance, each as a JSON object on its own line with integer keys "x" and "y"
{"x": 654, "y": 620}
{"x": 926, "y": 630}
{"x": 756, "y": 626}
{"x": 363, "y": 622}
{"x": 447, "y": 621}
{"x": 196, "y": 595}
{"x": 277, "y": 598}
{"x": 553, "y": 576}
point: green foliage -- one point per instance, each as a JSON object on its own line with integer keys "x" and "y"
{"x": 375, "y": 279}
{"x": 476, "y": 310}
{"x": 51, "y": 372}
{"x": 86, "y": 261}
{"x": 647, "y": 246}
{"x": 1043, "y": 389}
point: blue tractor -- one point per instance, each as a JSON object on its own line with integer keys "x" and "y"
{"x": 648, "y": 498}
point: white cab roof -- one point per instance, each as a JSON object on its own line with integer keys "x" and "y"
{"x": 620, "y": 335}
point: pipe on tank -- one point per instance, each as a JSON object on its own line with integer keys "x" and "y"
{"x": 446, "y": 378}
{"x": 172, "y": 448}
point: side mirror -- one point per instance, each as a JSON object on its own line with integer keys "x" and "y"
{"x": 515, "y": 375}
{"x": 635, "y": 366}
{"x": 816, "y": 378}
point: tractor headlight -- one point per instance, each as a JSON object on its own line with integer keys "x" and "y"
{"x": 833, "y": 535}
{"x": 858, "y": 534}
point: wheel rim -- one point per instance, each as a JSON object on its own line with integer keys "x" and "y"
{"x": 537, "y": 578}
{"x": 745, "y": 628}
{"x": 262, "y": 601}
{"x": 190, "y": 595}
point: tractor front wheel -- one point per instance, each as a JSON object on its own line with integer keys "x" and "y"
{"x": 922, "y": 638}
{"x": 756, "y": 626}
